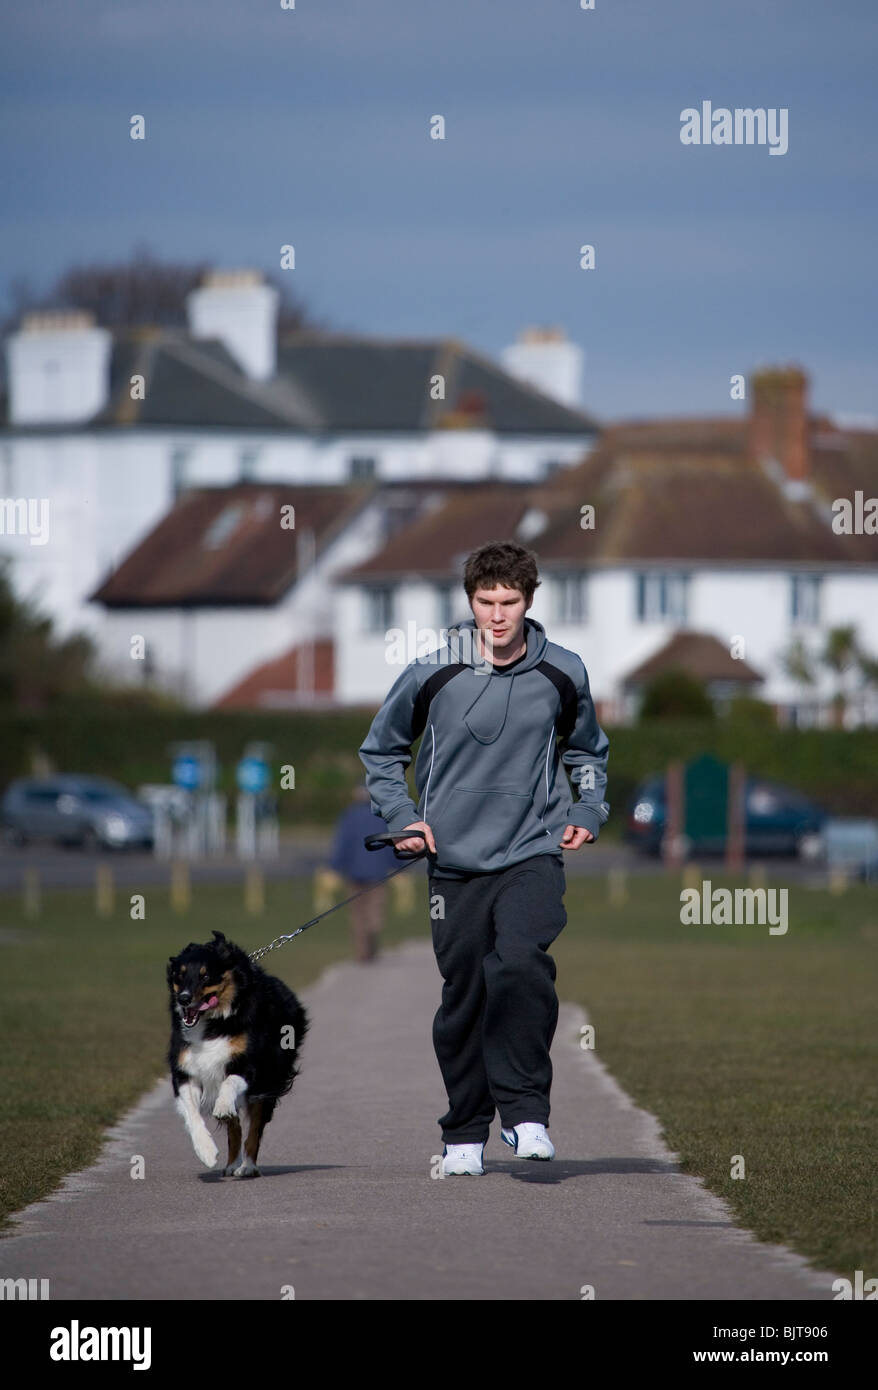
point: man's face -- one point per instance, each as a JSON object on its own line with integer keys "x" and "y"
{"x": 499, "y": 614}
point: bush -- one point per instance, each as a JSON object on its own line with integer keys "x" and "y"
{"x": 838, "y": 767}
{"x": 675, "y": 695}
{"x": 746, "y": 711}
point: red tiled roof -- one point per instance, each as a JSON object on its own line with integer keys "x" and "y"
{"x": 664, "y": 492}
{"x": 699, "y": 654}
{"x": 277, "y": 682}
{"x": 433, "y": 544}
{"x": 227, "y": 546}
{"x": 657, "y": 504}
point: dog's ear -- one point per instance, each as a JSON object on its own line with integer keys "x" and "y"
{"x": 172, "y": 961}
{"x": 221, "y": 943}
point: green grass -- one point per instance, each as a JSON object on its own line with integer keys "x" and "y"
{"x": 746, "y": 1043}
{"x": 84, "y": 1023}
{"x": 740, "y": 1042}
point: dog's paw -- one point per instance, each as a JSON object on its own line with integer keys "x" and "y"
{"x": 246, "y": 1169}
{"x": 229, "y": 1098}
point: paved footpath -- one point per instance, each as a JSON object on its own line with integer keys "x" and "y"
{"x": 347, "y": 1209}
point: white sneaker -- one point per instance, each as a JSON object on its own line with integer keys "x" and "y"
{"x": 462, "y": 1159}
{"x": 529, "y": 1141}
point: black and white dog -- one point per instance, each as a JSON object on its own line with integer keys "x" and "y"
{"x": 235, "y": 1037}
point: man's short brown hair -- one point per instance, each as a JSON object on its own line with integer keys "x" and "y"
{"x": 501, "y": 562}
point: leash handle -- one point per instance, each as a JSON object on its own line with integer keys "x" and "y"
{"x": 390, "y": 838}
{"x": 371, "y": 842}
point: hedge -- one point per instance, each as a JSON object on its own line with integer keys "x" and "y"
{"x": 838, "y": 768}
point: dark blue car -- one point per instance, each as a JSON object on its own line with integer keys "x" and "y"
{"x": 779, "y": 820}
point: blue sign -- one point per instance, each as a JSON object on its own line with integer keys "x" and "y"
{"x": 186, "y": 772}
{"x": 252, "y": 775}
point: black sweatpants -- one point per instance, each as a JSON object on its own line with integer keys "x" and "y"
{"x": 499, "y": 1008}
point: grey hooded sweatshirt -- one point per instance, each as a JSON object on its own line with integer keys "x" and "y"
{"x": 488, "y": 772}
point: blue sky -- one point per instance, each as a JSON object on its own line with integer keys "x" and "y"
{"x": 311, "y": 126}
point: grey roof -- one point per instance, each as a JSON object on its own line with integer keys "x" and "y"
{"x": 324, "y": 384}
{"x": 364, "y": 384}
{"x": 192, "y": 382}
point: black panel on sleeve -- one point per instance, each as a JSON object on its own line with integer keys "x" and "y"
{"x": 567, "y": 694}
{"x": 425, "y": 695}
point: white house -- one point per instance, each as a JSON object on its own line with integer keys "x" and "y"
{"x": 106, "y": 430}
{"x": 723, "y": 529}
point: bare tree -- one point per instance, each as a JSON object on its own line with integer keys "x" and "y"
{"x": 143, "y": 290}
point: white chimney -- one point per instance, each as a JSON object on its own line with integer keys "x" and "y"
{"x": 59, "y": 368}
{"x": 239, "y": 309}
{"x": 545, "y": 358}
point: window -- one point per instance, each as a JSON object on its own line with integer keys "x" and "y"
{"x": 42, "y": 796}
{"x": 805, "y": 599}
{"x": 533, "y": 523}
{"x": 361, "y": 468}
{"x": 379, "y": 609}
{"x": 179, "y": 464}
{"x": 449, "y": 603}
{"x": 247, "y": 463}
{"x": 571, "y": 598}
{"x": 662, "y": 597}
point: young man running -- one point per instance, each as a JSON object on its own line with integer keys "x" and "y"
{"x": 501, "y": 708}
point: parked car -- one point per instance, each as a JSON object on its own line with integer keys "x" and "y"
{"x": 88, "y": 811}
{"x": 850, "y": 845}
{"x": 778, "y": 820}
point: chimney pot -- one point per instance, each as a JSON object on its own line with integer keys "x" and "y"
{"x": 237, "y": 307}
{"x": 779, "y": 423}
{"x": 59, "y": 368}
{"x": 546, "y": 359}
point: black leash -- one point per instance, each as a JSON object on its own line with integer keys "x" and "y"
{"x": 372, "y": 842}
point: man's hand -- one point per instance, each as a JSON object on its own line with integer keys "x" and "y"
{"x": 417, "y": 843}
{"x": 574, "y": 836}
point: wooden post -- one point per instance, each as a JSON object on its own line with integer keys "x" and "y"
{"x": 254, "y": 890}
{"x": 736, "y": 821}
{"x": 181, "y": 890}
{"x": 672, "y": 845}
{"x": 104, "y": 890}
{"x": 402, "y": 894}
{"x": 31, "y": 892}
{"x": 692, "y": 876}
{"x": 617, "y": 887}
{"x": 328, "y": 886}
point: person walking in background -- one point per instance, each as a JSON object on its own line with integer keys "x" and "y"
{"x": 362, "y": 867}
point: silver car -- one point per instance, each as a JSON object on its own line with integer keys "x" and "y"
{"x": 90, "y": 811}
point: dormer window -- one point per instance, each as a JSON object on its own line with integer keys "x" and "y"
{"x": 221, "y": 527}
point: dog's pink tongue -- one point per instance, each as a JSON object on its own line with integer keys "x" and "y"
{"x": 211, "y": 1004}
